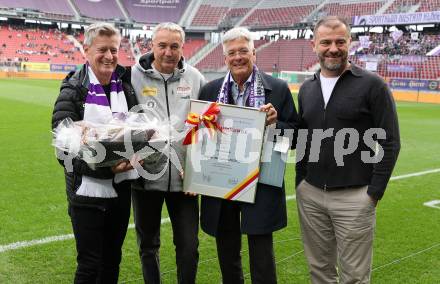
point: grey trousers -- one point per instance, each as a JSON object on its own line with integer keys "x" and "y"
{"x": 184, "y": 214}
{"x": 337, "y": 231}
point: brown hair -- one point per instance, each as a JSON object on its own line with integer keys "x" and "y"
{"x": 332, "y": 22}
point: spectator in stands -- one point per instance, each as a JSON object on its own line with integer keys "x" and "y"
{"x": 226, "y": 220}
{"x": 99, "y": 221}
{"x": 164, "y": 84}
{"x": 337, "y": 201}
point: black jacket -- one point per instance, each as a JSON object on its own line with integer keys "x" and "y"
{"x": 70, "y": 103}
{"x": 268, "y": 213}
{"x": 361, "y": 101}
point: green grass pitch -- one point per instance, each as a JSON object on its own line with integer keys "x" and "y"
{"x": 33, "y": 204}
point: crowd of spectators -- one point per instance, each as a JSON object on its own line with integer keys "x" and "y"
{"x": 48, "y": 43}
{"x": 399, "y": 44}
{"x": 143, "y": 43}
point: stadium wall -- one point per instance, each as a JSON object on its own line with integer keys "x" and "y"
{"x": 33, "y": 75}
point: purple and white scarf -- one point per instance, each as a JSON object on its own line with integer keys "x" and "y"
{"x": 97, "y": 109}
{"x": 254, "y": 93}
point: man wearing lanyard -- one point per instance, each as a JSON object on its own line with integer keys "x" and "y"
{"x": 245, "y": 85}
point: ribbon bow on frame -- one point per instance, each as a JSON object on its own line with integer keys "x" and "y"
{"x": 209, "y": 118}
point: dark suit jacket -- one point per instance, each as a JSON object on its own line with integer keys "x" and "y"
{"x": 268, "y": 213}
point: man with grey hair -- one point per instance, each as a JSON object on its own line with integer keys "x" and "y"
{"x": 246, "y": 85}
{"x": 94, "y": 93}
{"x": 164, "y": 85}
{"x": 337, "y": 200}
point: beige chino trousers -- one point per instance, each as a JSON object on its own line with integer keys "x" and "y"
{"x": 337, "y": 231}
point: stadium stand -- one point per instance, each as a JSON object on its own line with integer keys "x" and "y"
{"x": 49, "y": 7}
{"x": 236, "y": 12}
{"x": 385, "y": 44}
{"x": 405, "y": 57}
{"x": 142, "y": 12}
{"x": 99, "y": 9}
{"x": 402, "y": 6}
{"x": 36, "y": 45}
{"x": 215, "y": 59}
{"x": 429, "y": 5}
{"x": 403, "y": 66}
{"x": 350, "y": 8}
{"x": 143, "y": 43}
{"x": 273, "y": 13}
{"x": 210, "y": 13}
{"x": 191, "y": 46}
{"x": 126, "y": 54}
{"x": 282, "y": 54}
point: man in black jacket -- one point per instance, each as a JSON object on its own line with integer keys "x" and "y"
{"x": 99, "y": 223}
{"x": 347, "y": 111}
{"x": 226, "y": 220}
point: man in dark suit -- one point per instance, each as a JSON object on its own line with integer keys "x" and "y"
{"x": 245, "y": 85}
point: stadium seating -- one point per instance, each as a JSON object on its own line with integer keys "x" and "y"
{"x": 55, "y": 7}
{"x": 126, "y": 56}
{"x": 273, "y": 13}
{"x": 289, "y": 55}
{"x": 225, "y": 13}
{"x": 102, "y": 10}
{"x": 143, "y": 44}
{"x": 34, "y": 45}
{"x": 208, "y": 15}
{"x": 154, "y": 12}
{"x": 405, "y": 67}
{"x": 191, "y": 46}
{"x": 385, "y": 44}
{"x": 429, "y": 5}
{"x": 237, "y": 11}
{"x": 216, "y": 60}
{"x": 402, "y": 58}
{"x": 350, "y": 8}
{"x": 401, "y": 6}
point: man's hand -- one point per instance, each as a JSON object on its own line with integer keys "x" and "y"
{"x": 182, "y": 174}
{"x": 124, "y": 166}
{"x": 121, "y": 167}
{"x": 271, "y": 113}
{"x": 374, "y": 200}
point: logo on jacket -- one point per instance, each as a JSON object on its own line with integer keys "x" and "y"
{"x": 149, "y": 91}
{"x": 150, "y": 104}
{"x": 184, "y": 92}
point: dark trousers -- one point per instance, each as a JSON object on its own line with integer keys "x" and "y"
{"x": 100, "y": 230}
{"x": 184, "y": 215}
{"x": 228, "y": 239}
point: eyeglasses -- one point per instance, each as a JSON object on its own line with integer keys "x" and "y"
{"x": 241, "y": 52}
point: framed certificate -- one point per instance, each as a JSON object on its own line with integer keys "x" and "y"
{"x": 226, "y": 164}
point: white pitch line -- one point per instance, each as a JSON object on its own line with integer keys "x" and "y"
{"x": 433, "y": 204}
{"x": 416, "y": 174}
{"x": 24, "y": 244}
{"x": 405, "y": 257}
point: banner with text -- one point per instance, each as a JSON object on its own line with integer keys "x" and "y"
{"x": 415, "y": 85}
{"x": 397, "y": 19}
{"x": 62, "y": 67}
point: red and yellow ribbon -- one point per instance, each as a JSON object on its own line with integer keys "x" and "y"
{"x": 209, "y": 118}
{"x": 242, "y": 185}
